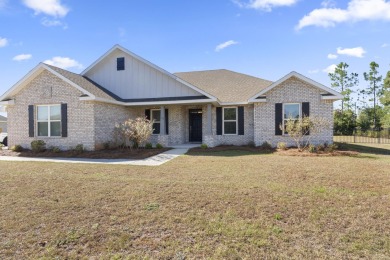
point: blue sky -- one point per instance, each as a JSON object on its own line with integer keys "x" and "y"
{"x": 264, "y": 38}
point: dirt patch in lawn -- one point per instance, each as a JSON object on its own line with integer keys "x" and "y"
{"x": 101, "y": 154}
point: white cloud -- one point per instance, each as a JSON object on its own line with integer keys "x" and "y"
{"x": 224, "y": 45}
{"x": 314, "y": 71}
{"x": 357, "y": 10}
{"x": 64, "y": 63}
{"x": 354, "y": 52}
{"x": 332, "y": 56}
{"x": 330, "y": 68}
{"x": 385, "y": 45}
{"x": 265, "y": 5}
{"x": 48, "y": 7}
{"x": 328, "y": 4}
{"x": 3, "y": 3}
{"x": 49, "y": 23}
{"x": 3, "y": 42}
{"x": 21, "y": 57}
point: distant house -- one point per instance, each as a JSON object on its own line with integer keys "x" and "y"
{"x": 214, "y": 107}
{"x": 3, "y": 124}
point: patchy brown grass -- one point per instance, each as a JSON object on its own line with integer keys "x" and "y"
{"x": 232, "y": 204}
{"x": 100, "y": 154}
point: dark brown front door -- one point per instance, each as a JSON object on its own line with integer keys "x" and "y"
{"x": 195, "y": 120}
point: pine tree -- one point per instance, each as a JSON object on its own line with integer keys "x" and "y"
{"x": 375, "y": 88}
{"x": 344, "y": 83}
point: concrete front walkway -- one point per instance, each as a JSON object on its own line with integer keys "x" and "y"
{"x": 151, "y": 161}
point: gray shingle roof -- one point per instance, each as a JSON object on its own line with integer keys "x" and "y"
{"x": 84, "y": 83}
{"x": 228, "y": 86}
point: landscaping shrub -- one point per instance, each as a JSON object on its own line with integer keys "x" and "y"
{"x": 79, "y": 148}
{"x": 148, "y": 146}
{"x": 312, "y": 148}
{"x": 331, "y": 148}
{"x": 106, "y": 145}
{"x": 320, "y": 147}
{"x": 55, "y": 149}
{"x": 282, "y": 146}
{"x": 266, "y": 146}
{"x": 251, "y": 144}
{"x": 204, "y": 146}
{"x": 16, "y": 148}
{"x": 159, "y": 146}
{"x": 137, "y": 131}
{"x": 38, "y": 146}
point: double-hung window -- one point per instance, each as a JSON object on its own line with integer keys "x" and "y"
{"x": 49, "y": 120}
{"x": 291, "y": 111}
{"x": 229, "y": 120}
{"x": 155, "y": 116}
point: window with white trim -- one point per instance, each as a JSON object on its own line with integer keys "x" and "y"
{"x": 155, "y": 116}
{"x": 49, "y": 120}
{"x": 229, "y": 120}
{"x": 291, "y": 111}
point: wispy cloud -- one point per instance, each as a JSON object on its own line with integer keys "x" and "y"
{"x": 64, "y": 62}
{"x": 264, "y": 5}
{"x": 3, "y": 3}
{"x": 330, "y": 68}
{"x": 224, "y": 45}
{"x": 385, "y": 45}
{"x": 332, "y": 56}
{"x": 49, "y": 7}
{"x": 50, "y": 23}
{"x": 357, "y": 52}
{"x": 357, "y": 10}
{"x": 22, "y": 57}
{"x": 3, "y": 42}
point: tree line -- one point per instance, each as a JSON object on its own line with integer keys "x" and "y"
{"x": 369, "y": 108}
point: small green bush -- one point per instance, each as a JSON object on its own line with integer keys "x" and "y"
{"x": 204, "y": 146}
{"x": 79, "y": 148}
{"x": 282, "y": 146}
{"x": 312, "y": 148}
{"x": 331, "y": 148}
{"x": 148, "y": 146}
{"x": 320, "y": 147}
{"x": 38, "y": 146}
{"x": 266, "y": 146}
{"x": 55, "y": 149}
{"x": 1, "y": 145}
{"x": 159, "y": 146}
{"x": 16, "y": 148}
{"x": 106, "y": 145}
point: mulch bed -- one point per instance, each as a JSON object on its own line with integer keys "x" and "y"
{"x": 101, "y": 154}
{"x": 288, "y": 152}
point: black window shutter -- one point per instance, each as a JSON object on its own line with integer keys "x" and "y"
{"x": 120, "y": 63}
{"x": 166, "y": 122}
{"x": 147, "y": 114}
{"x": 31, "y": 121}
{"x": 240, "y": 120}
{"x": 64, "y": 120}
{"x": 219, "y": 120}
{"x": 306, "y": 111}
{"x": 278, "y": 118}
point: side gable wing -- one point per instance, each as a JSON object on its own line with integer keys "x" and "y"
{"x": 328, "y": 92}
{"x": 138, "y": 78}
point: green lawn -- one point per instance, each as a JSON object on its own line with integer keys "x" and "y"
{"x": 228, "y": 205}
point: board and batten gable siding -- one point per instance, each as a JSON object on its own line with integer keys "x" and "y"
{"x": 137, "y": 80}
{"x": 292, "y": 90}
{"x": 47, "y": 89}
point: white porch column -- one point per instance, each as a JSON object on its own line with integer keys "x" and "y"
{"x": 209, "y": 129}
{"x": 162, "y": 121}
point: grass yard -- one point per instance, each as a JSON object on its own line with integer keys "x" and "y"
{"x": 225, "y": 205}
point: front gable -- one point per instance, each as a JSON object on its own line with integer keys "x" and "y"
{"x": 132, "y": 78}
{"x": 310, "y": 85}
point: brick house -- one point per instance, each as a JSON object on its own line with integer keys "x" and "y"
{"x": 214, "y": 107}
